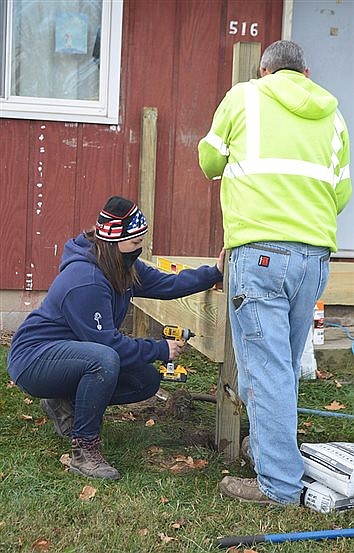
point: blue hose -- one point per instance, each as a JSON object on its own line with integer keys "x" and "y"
{"x": 344, "y": 330}
{"x": 229, "y": 541}
{"x": 324, "y": 413}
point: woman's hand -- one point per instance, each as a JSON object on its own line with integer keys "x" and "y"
{"x": 175, "y": 347}
{"x": 220, "y": 261}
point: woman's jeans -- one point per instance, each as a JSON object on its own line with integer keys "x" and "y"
{"x": 273, "y": 287}
{"x": 88, "y": 374}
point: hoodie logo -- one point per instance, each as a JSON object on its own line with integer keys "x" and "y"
{"x": 97, "y": 317}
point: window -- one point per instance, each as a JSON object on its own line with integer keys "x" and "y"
{"x": 60, "y": 59}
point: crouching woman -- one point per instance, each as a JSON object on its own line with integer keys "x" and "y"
{"x": 70, "y": 351}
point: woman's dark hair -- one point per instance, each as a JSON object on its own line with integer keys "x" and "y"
{"x": 110, "y": 261}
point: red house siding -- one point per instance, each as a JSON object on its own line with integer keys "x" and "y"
{"x": 54, "y": 177}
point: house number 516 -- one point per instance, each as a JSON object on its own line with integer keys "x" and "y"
{"x": 243, "y": 28}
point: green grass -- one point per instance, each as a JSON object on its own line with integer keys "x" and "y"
{"x": 40, "y": 499}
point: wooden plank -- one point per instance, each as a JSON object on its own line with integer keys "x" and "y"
{"x": 147, "y": 175}
{"x": 245, "y": 64}
{"x": 340, "y": 287}
{"x": 246, "y": 56}
{"x": 204, "y": 313}
{"x": 227, "y": 435}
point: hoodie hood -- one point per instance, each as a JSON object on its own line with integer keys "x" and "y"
{"x": 77, "y": 249}
{"x": 298, "y": 94}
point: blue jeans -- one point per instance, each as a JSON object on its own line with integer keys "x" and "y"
{"x": 88, "y": 374}
{"x": 273, "y": 287}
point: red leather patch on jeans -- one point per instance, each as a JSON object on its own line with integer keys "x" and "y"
{"x": 263, "y": 260}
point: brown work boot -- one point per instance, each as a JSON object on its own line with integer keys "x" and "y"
{"x": 244, "y": 489}
{"x": 62, "y": 414}
{"x": 245, "y": 451}
{"x": 87, "y": 460}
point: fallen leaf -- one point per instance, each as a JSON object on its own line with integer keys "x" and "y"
{"x": 308, "y": 424}
{"x": 338, "y": 384}
{"x": 26, "y": 417}
{"x": 65, "y": 459}
{"x": 154, "y": 450}
{"x": 164, "y": 500}
{"x": 128, "y": 416}
{"x": 88, "y": 492}
{"x": 10, "y": 384}
{"x": 323, "y": 375}
{"x": 150, "y": 422}
{"x": 184, "y": 463}
{"x": 28, "y": 401}
{"x": 301, "y": 431}
{"x": 178, "y": 524}
{"x": 143, "y": 532}
{"x": 41, "y": 544}
{"x": 164, "y": 538}
{"x": 225, "y": 471}
{"x": 335, "y": 406}
{"x": 41, "y": 421}
{"x": 200, "y": 464}
{"x": 178, "y": 467}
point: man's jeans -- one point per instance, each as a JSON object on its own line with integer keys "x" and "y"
{"x": 89, "y": 375}
{"x": 273, "y": 287}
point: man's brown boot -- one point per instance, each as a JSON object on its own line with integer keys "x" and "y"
{"x": 244, "y": 489}
{"x": 61, "y": 412}
{"x": 87, "y": 460}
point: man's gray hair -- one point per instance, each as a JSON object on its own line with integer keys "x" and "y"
{"x": 283, "y": 54}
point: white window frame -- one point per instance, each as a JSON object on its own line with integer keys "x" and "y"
{"x": 105, "y": 110}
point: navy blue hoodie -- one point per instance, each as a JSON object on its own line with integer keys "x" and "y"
{"x": 82, "y": 305}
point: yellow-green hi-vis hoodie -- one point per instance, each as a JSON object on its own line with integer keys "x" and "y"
{"x": 282, "y": 149}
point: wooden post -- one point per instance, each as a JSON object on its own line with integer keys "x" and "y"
{"x": 147, "y": 174}
{"x": 245, "y": 64}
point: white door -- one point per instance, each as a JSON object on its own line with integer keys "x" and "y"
{"x": 325, "y": 30}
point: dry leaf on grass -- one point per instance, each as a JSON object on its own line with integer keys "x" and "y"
{"x": 143, "y": 532}
{"x": 88, "y": 492}
{"x": 178, "y": 524}
{"x": 338, "y": 384}
{"x": 128, "y": 417}
{"x": 40, "y": 421}
{"x": 150, "y": 422}
{"x": 26, "y": 417}
{"x": 323, "y": 375}
{"x": 164, "y": 538}
{"x": 184, "y": 463}
{"x": 164, "y": 500}
{"x": 65, "y": 459}
{"x": 41, "y": 544}
{"x": 28, "y": 401}
{"x": 10, "y": 384}
{"x": 335, "y": 406}
{"x": 154, "y": 450}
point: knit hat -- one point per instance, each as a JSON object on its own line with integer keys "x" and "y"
{"x": 119, "y": 220}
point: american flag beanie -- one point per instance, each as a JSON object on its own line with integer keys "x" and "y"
{"x": 119, "y": 220}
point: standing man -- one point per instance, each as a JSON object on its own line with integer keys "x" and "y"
{"x": 282, "y": 149}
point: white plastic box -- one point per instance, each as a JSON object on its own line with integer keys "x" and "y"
{"x": 331, "y": 464}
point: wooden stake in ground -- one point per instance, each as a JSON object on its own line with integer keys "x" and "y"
{"x": 246, "y": 58}
{"x": 147, "y": 174}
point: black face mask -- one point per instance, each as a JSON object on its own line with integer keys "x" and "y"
{"x": 130, "y": 257}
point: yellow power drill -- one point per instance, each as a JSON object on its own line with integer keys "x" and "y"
{"x": 171, "y": 372}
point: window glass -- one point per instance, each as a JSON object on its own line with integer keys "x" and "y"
{"x": 56, "y": 49}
